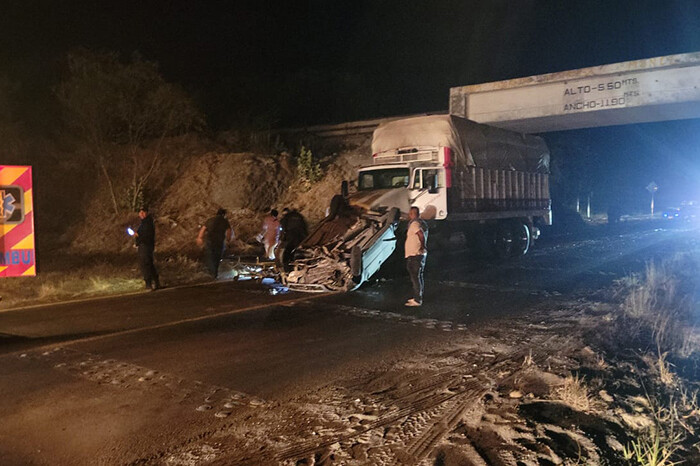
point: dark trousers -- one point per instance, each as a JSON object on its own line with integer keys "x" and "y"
{"x": 289, "y": 244}
{"x": 415, "y": 266}
{"x": 148, "y": 268}
{"x": 212, "y": 258}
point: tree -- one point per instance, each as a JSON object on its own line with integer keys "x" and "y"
{"x": 117, "y": 107}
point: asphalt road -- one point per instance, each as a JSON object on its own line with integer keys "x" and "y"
{"x": 120, "y": 380}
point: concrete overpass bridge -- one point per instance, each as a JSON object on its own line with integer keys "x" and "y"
{"x": 639, "y": 91}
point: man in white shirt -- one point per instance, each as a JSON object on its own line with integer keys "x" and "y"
{"x": 416, "y": 239}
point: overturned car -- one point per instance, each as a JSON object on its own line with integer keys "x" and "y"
{"x": 343, "y": 252}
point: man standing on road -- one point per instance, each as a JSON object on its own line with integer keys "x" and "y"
{"x": 145, "y": 238}
{"x": 214, "y": 235}
{"x": 416, "y": 239}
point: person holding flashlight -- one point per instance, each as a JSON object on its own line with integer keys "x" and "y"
{"x": 145, "y": 239}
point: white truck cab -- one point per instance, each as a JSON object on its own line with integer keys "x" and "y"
{"x": 407, "y": 177}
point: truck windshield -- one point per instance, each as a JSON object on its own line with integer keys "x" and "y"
{"x": 383, "y": 179}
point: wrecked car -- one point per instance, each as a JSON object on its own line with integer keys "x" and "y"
{"x": 344, "y": 251}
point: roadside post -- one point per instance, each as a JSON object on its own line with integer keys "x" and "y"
{"x": 652, "y": 188}
{"x": 17, "y": 251}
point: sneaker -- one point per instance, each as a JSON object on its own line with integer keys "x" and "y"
{"x": 412, "y": 303}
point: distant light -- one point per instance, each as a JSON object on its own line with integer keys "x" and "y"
{"x": 130, "y": 231}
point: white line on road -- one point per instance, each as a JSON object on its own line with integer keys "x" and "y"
{"x": 114, "y": 296}
{"x": 172, "y": 324}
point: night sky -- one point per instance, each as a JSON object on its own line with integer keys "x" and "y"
{"x": 263, "y": 63}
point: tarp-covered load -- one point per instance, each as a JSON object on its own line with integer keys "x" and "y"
{"x": 472, "y": 144}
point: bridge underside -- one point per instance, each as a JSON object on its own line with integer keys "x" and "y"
{"x": 656, "y": 89}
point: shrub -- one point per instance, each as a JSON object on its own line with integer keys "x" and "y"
{"x": 308, "y": 169}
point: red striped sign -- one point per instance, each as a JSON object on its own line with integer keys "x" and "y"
{"x": 17, "y": 253}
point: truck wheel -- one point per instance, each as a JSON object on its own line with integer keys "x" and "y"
{"x": 522, "y": 239}
{"x": 504, "y": 240}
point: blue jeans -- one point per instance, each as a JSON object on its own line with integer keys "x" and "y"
{"x": 212, "y": 259}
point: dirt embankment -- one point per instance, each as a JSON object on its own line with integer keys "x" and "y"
{"x": 246, "y": 184}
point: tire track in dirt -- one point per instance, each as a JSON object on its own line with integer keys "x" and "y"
{"x": 437, "y": 428}
{"x": 427, "y": 409}
{"x": 221, "y": 401}
{"x": 423, "y": 404}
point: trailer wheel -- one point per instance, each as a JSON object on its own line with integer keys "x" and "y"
{"x": 504, "y": 240}
{"x": 522, "y": 239}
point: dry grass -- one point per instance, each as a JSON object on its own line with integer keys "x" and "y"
{"x": 600, "y": 362}
{"x": 689, "y": 401}
{"x": 666, "y": 375}
{"x": 659, "y": 306}
{"x": 67, "y": 278}
{"x": 575, "y": 393}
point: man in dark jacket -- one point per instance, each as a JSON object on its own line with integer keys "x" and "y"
{"x": 214, "y": 235}
{"x": 145, "y": 238}
{"x": 294, "y": 231}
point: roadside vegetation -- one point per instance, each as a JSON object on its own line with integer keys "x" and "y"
{"x": 611, "y": 381}
{"x": 614, "y": 379}
{"x": 659, "y": 322}
{"x": 76, "y": 277}
{"x": 648, "y": 365}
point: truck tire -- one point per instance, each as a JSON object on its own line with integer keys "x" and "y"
{"x": 504, "y": 240}
{"x": 522, "y": 238}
